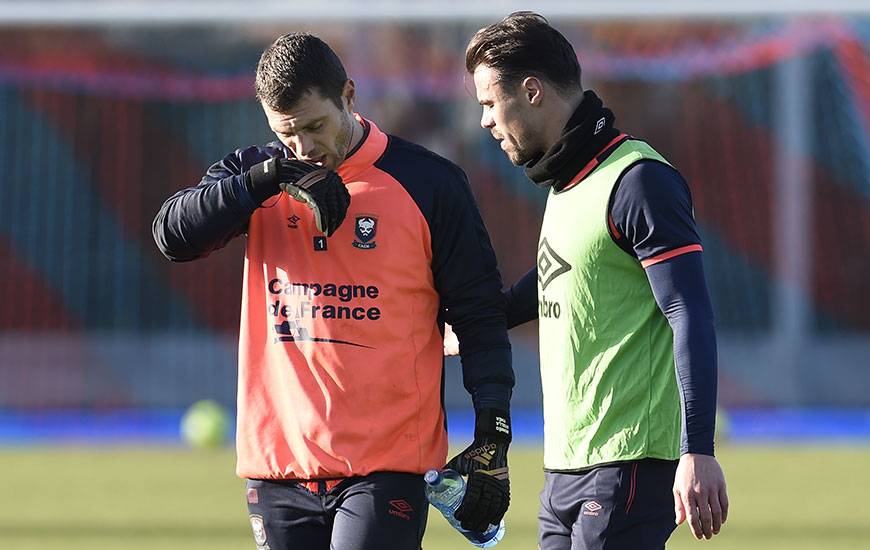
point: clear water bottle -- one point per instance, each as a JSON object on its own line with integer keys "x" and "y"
{"x": 445, "y": 489}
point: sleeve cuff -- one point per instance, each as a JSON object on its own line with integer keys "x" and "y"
{"x": 492, "y": 395}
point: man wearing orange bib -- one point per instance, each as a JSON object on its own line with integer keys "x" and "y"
{"x": 359, "y": 246}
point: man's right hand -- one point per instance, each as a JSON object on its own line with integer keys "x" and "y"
{"x": 321, "y": 189}
{"x": 700, "y": 495}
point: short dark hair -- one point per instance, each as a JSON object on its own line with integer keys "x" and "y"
{"x": 524, "y": 44}
{"x": 294, "y": 65}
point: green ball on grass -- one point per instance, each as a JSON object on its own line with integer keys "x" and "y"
{"x": 205, "y": 425}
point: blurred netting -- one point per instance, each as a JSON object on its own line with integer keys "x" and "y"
{"x": 99, "y": 126}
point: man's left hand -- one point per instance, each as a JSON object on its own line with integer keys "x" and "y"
{"x": 700, "y": 495}
{"x": 451, "y": 342}
{"x": 487, "y": 492}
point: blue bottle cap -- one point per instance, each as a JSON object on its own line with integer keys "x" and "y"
{"x": 432, "y": 477}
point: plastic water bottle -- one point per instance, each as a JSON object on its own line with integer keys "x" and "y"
{"x": 445, "y": 489}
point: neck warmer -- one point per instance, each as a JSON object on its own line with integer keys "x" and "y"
{"x": 587, "y": 132}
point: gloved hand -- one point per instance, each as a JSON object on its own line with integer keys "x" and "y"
{"x": 321, "y": 189}
{"x": 487, "y": 492}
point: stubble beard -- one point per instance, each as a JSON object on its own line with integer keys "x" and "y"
{"x": 345, "y": 136}
{"x": 517, "y": 158}
{"x": 524, "y": 148}
{"x": 521, "y": 157}
{"x": 531, "y": 153}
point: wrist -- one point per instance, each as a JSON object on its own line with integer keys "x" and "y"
{"x": 262, "y": 180}
{"x": 697, "y": 448}
{"x": 493, "y": 424}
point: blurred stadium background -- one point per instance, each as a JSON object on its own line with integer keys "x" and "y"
{"x": 106, "y": 108}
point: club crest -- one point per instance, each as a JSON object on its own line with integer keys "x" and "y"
{"x": 259, "y": 529}
{"x": 365, "y": 229}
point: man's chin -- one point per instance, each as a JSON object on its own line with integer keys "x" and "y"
{"x": 517, "y": 159}
{"x": 524, "y": 160}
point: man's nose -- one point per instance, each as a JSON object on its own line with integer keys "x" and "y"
{"x": 302, "y": 145}
{"x": 486, "y": 121}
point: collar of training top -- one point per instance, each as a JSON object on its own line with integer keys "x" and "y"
{"x": 366, "y": 153}
{"x": 588, "y": 131}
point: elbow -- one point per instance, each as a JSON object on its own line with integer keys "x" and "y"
{"x": 175, "y": 257}
{"x": 173, "y": 254}
{"x": 172, "y": 248}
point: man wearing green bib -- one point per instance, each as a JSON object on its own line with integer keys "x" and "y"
{"x": 628, "y": 348}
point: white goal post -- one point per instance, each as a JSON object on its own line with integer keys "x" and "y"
{"x": 203, "y": 12}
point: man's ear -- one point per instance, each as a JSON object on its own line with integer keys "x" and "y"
{"x": 533, "y": 90}
{"x": 348, "y": 94}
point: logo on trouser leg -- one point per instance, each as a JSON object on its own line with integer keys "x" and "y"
{"x": 591, "y": 508}
{"x": 259, "y": 532}
{"x": 400, "y": 509}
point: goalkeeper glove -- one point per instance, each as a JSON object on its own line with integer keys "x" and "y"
{"x": 487, "y": 493}
{"x": 321, "y": 189}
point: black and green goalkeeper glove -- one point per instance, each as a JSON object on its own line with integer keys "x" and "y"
{"x": 487, "y": 492}
{"x": 321, "y": 189}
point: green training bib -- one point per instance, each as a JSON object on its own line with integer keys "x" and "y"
{"x": 607, "y": 361}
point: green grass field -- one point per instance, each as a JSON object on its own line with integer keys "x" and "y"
{"x": 164, "y": 498}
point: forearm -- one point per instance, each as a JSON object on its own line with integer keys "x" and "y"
{"x": 695, "y": 363}
{"x": 198, "y": 220}
{"x": 469, "y": 284}
{"x": 487, "y": 373}
{"x": 522, "y": 299}
{"x": 487, "y": 379}
{"x": 681, "y": 292}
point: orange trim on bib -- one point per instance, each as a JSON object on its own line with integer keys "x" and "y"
{"x": 593, "y": 164}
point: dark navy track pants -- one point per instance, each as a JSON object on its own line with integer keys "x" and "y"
{"x": 373, "y": 512}
{"x": 624, "y": 506}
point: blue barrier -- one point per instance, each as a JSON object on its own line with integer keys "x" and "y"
{"x": 161, "y": 427}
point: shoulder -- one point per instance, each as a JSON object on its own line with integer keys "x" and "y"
{"x": 438, "y": 187}
{"x": 649, "y": 180}
{"x": 651, "y": 210}
{"x": 412, "y": 164}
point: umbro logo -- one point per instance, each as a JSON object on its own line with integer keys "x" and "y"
{"x": 293, "y": 221}
{"x": 550, "y": 264}
{"x": 401, "y": 509}
{"x": 401, "y": 505}
{"x": 591, "y": 508}
{"x": 599, "y": 126}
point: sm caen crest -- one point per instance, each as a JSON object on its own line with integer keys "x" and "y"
{"x": 365, "y": 228}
